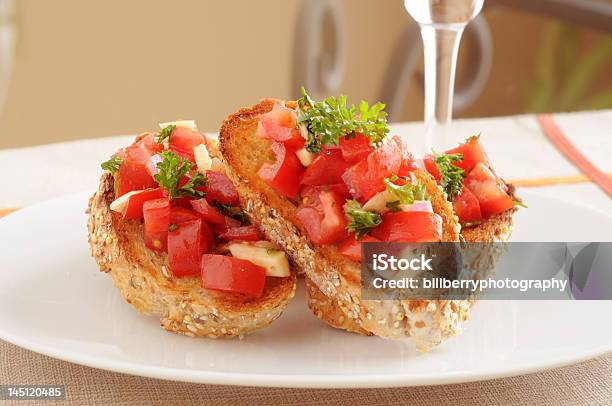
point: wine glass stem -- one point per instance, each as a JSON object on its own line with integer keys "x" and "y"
{"x": 440, "y": 46}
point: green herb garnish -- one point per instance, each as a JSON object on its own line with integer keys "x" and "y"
{"x": 328, "y": 120}
{"x": 406, "y": 193}
{"x": 112, "y": 165}
{"x": 451, "y": 176}
{"x": 393, "y": 206}
{"x": 231, "y": 211}
{"x": 165, "y": 133}
{"x": 172, "y": 227}
{"x": 172, "y": 169}
{"x": 521, "y": 204}
{"x": 360, "y": 221}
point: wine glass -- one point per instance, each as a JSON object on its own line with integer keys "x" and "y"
{"x": 442, "y": 23}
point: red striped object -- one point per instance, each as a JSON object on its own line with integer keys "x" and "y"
{"x": 560, "y": 141}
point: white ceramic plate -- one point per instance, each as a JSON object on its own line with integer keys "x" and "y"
{"x": 54, "y": 301}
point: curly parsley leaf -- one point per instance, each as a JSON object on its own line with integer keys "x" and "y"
{"x": 407, "y": 193}
{"x": 112, "y": 165}
{"x": 231, "y": 211}
{"x": 172, "y": 169}
{"x": 165, "y": 133}
{"x": 332, "y": 118}
{"x": 360, "y": 221}
{"x": 451, "y": 176}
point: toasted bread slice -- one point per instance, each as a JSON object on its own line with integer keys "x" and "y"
{"x": 495, "y": 229}
{"x": 427, "y": 322}
{"x": 181, "y": 304}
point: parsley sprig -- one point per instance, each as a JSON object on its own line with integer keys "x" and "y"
{"x": 360, "y": 221}
{"x": 172, "y": 169}
{"x": 330, "y": 119}
{"x": 451, "y": 176}
{"x": 112, "y": 165}
{"x": 165, "y": 133}
{"x": 407, "y": 193}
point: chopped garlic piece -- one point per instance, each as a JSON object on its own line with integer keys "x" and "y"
{"x": 202, "y": 158}
{"x": 191, "y": 124}
{"x": 274, "y": 261}
{"x": 306, "y": 157}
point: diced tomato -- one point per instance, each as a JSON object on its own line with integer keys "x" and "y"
{"x": 208, "y": 213}
{"x": 352, "y": 247}
{"x": 327, "y": 168}
{"x": 231, "y": 274}
{"x": 489, "y": 191}
{"x": 183, "y": 140}
{"x": 430, "y": 166}
{"x": 279, "y": 125}
{"x": 365, "y": 178}
{"x": 148, "y": 141}
{"x": 285, "y": 174}
{"x": 185, "y": 245}
{"x": 151, "y": 164}
{"x": 208, "y": 236}
{"x": 156, "y": 215}
{"x": 324, "y": 221}
{"x": 182, "y": 214}
{"x": 133, "y": 210}
{"x": 133, "y": 173}
{"x": 228, "y": 223}
{"x": 409, "y": 226}
{"x": 466, "y": 207}
{"x": 309, "y": 195}
{"x": 219, "y": 188}
{"x": 355, "y": 149}
{"x": 243, "y": 233}
{"x": 472, "y": 152}
{"x": 407, "y": 165}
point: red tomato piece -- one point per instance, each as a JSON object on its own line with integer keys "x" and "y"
{"x": 489, "y": 190}
{"x": 407, "y": 166}
{"x": 185, "y": 248}
{"x": 409, "y": 226}
{"x": 183, "y": 140}
{"x": 207, "y": 212}
{"x": 243, "y": 233}
{"x": 208, "y": 236}
{"x": 156, "y": 215}
{"x": 324, "y": 221}
{"x": 228, "y": 274}
{"x": 327, "y": 168}
{"x": 133, "y": 210}
{"x": 310, "y": 194}
{"x": 355, "y": 149}
{"x": 228, "y": 223}
{"x": 472, "y": 152}
{"x": 219, "y": 188}
{"x": 279, "y": 125}
{"x": 182, "y": 214}
{"x": 285, "y": 174}
{"x": 365, "y": 178}
{"x": 352, "y": 247}
{"x": 430, "y": 166}
{"x": 466, "y": 207}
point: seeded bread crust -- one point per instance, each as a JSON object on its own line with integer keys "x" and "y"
{"x": 428, "y": 323}
{"x": 181, "y": 304}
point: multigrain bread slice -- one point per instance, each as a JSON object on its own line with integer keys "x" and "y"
{"x": 181, "y": 304}
{"x": 492, "y": 230}
{"x": 427, "y": 322}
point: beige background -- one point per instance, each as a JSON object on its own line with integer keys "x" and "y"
{"x": 98, "y": 68}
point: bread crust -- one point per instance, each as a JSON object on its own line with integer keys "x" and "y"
{"x": 182, "y": 305}
{"x": 428, "y": 323}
